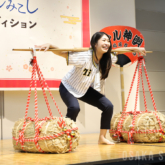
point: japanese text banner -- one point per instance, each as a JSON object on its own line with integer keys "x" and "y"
{"x": 25, "y": 23}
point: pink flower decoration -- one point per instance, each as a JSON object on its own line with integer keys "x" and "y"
{"x": 52, "y": 69}
{"x": 67, "y": 7}
{"x": 9, "y": 68}
{"x": 30, "y": 69}
{"x": 25, "y": 66}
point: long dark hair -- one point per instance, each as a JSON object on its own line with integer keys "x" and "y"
{"x": 105, "y": 62}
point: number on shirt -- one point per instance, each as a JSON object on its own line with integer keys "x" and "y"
{"x": 87, "y": 72}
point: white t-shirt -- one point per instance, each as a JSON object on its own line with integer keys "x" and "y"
{"x": 84, "y": 74}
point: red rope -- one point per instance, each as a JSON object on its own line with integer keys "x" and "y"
{"x": 135, "y": 113}
{"x": 144, "y": 96}
{"x": 21, "y": 139}
{"x": 43, "y": 79}
{"x": 149, "y": 86}
{"x": 124, "y": 113}
{"x": 136, "y": 99}
{"x": 43, "y": 90}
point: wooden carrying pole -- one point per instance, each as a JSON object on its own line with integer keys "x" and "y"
{"x": 52, "y": 50}
{"x": 74, "y": 50}
{"x": 86, "y": 49}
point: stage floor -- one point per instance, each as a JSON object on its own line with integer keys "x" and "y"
{"x": 88, "y": 152}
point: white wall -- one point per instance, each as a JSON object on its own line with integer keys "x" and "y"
{"x": 150, "y": 20}
{"x": 102, "y": 13}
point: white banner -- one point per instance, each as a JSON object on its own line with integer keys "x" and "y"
{"x": 24, "y": 23}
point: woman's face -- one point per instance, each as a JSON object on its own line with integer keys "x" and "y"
{"x": 103, "y": 44}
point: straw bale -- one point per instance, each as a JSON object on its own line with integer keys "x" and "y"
{"x": 143, "y": 122}
{"x": 114, "y": 123}
{"x": 50, "y": 127}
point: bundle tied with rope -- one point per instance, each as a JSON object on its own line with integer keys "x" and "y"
{"x": 139, "y": 126}
{"x": 49, "y": 134}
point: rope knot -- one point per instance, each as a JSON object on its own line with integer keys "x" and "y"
{"x": 140, "y": 58}
{"x": 33, "y": 61}
{"x": 62, "y": 123}
{"x": 21, "y": 138}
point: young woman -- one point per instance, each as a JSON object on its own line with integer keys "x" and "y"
{"x": 85, "y": 80}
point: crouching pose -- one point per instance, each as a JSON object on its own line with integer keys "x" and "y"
{"x": 85, "y": 80}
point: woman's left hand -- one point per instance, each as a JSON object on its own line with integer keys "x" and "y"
{"x": 141, "y": 51}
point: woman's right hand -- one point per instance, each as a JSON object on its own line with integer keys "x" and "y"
{"x": 44, "y": 46}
